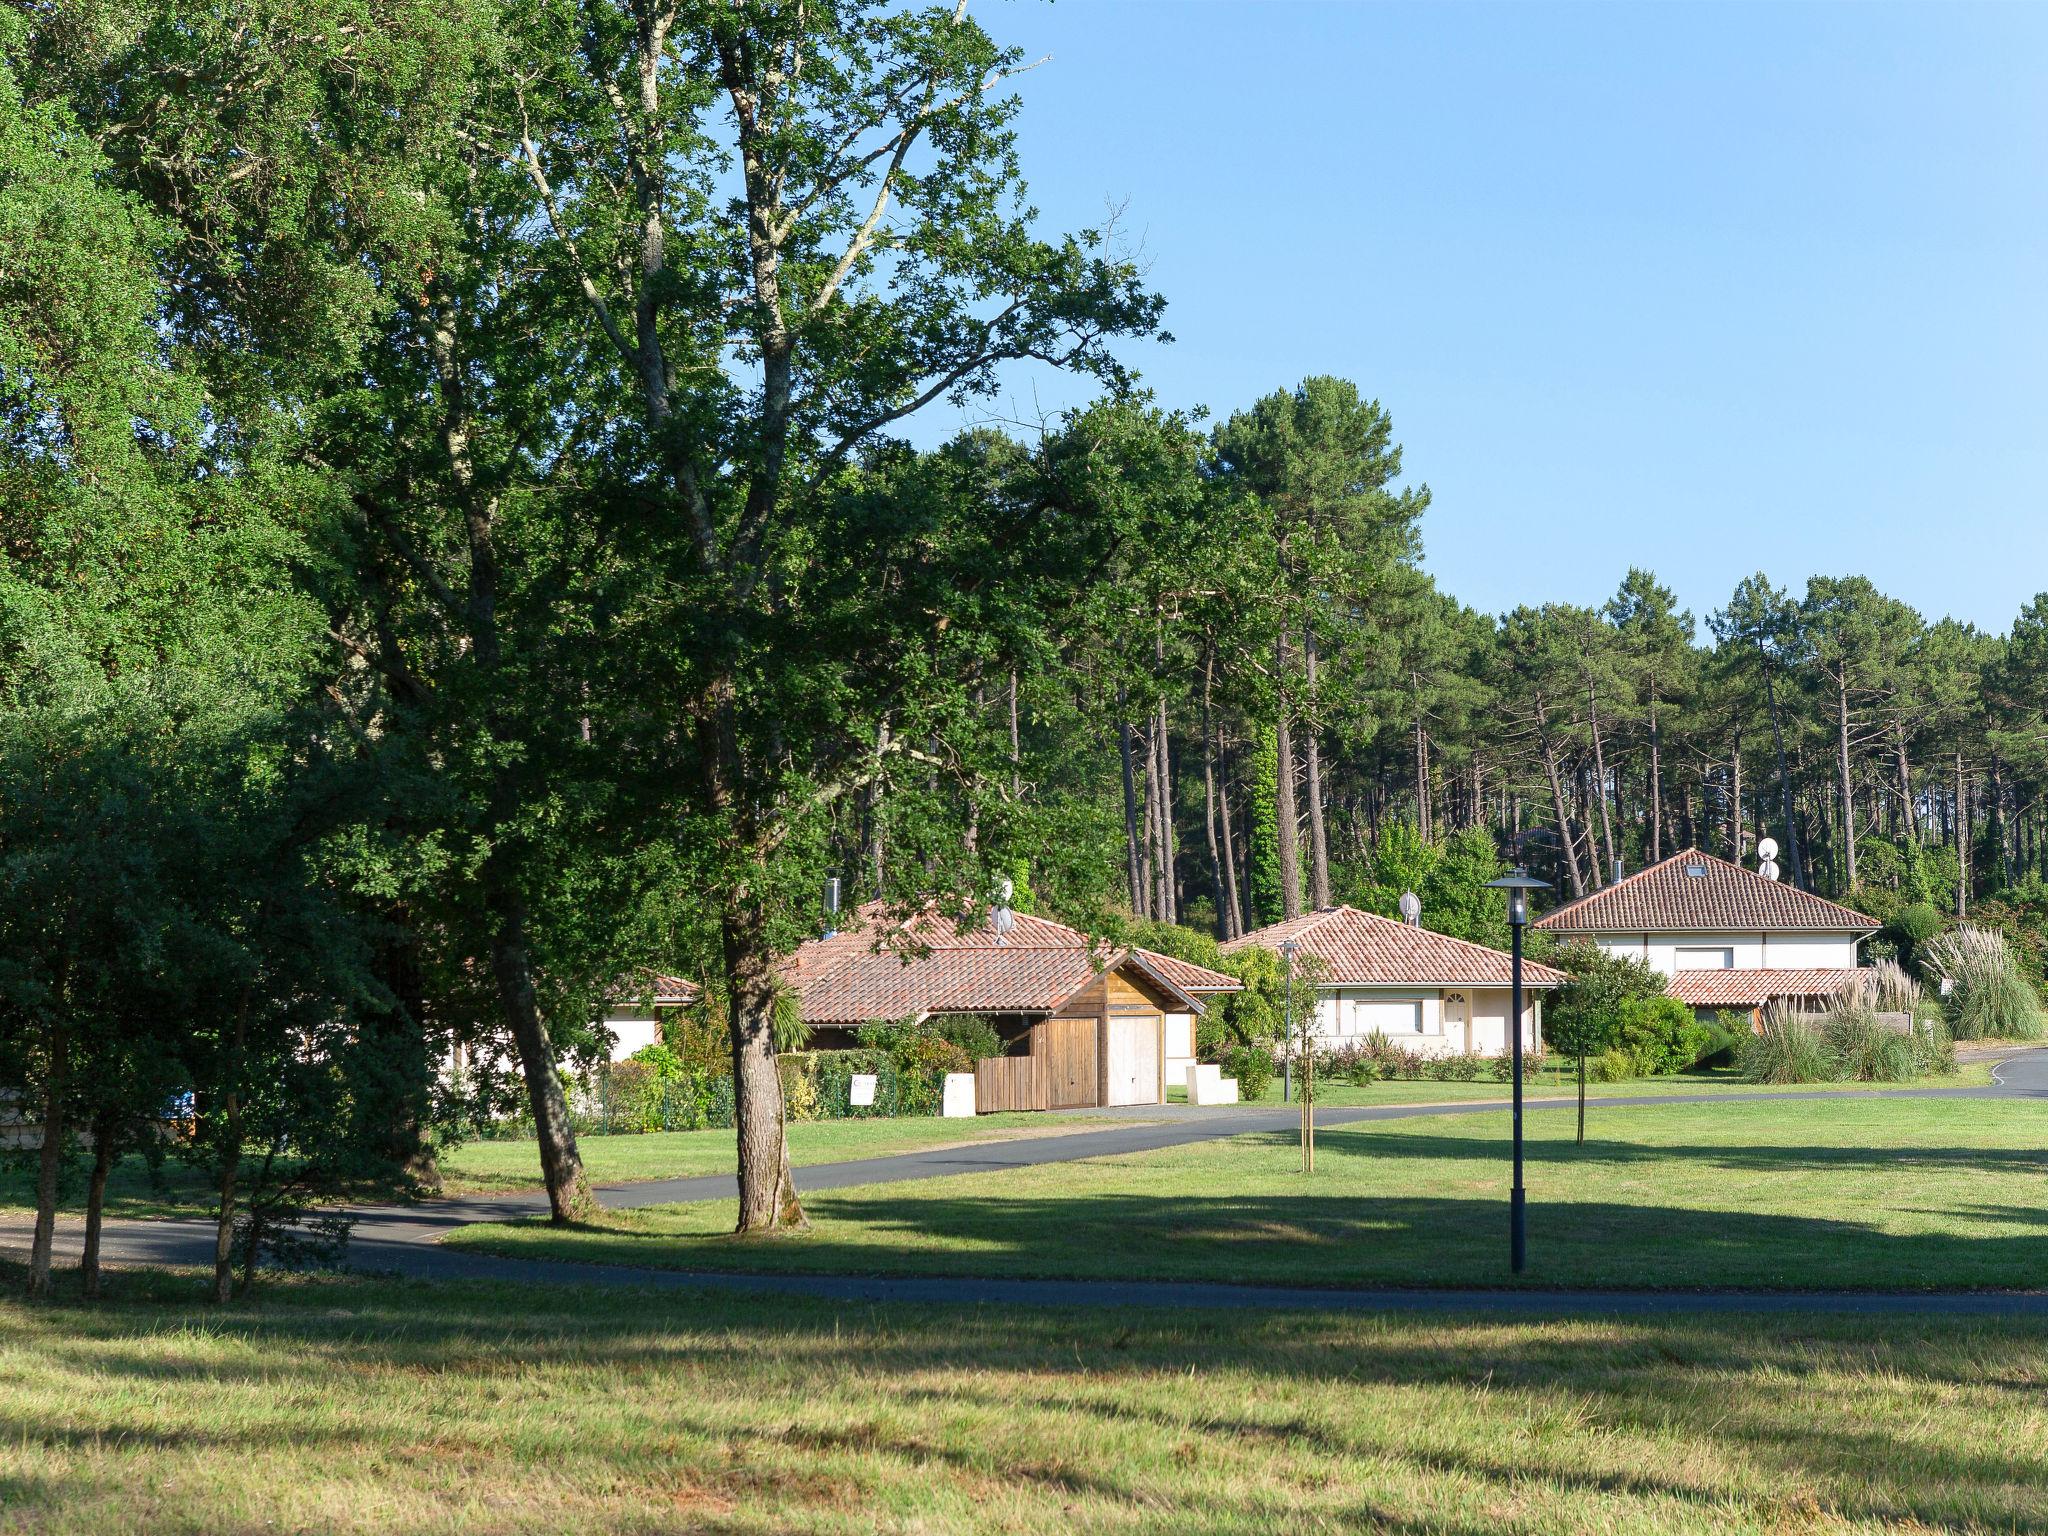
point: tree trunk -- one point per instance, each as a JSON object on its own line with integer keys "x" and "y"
{"x": 1232, "y": 886}
{"x": 1848, "y": 794}
{"x": 1287, "y": 832}
{"x": 1962, "y": 833}
{"x": 1169, "y": 896}
{"x": 1422, "y": 817}
{"x": 768, "y": 1198}
{"x": 1564, "y": 821}
{"x": 1656, "y": 784}
{"x": 49, "y": 1163}
{"x": 1735, "y": 837}
{"x": 96, "y": 1204}
{"x": 561, "y": 1164}
{"x": 1995, "y": 819}
{"x": 1133, "y": 867}
{"x": 1600, "y": 783}
{"x": 230, "y": 1149}
{"x": 1794, "y": 864}
{"x": 1016, "y": 757}
{"x": 1221, "y": 882}
{"x": 1318, "y": 836}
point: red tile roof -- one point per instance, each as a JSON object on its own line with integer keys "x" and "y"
{"x": 644, "y": 987}
{"x": 1722, "y": 898}
{"x": 1363, "y": 949}
{"x": 1753, "y": 988}
{"x": 883, "y": 970}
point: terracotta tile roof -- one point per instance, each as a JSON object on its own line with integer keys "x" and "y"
{"x": 645, "y": 986}
{"x": 1363, "y": 949}
{"x": 1755, "y": 987}
{"x": 1187, "y": 975}
{"x": 883, "y": 970}
{"x": 1721, "y": 898}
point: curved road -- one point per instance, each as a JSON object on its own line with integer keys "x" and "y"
{"x": 405, "y": 1239}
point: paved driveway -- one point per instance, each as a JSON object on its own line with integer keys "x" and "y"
{"x": 405, "y": 1239}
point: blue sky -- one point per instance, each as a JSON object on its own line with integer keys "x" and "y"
{"x": 1707, "y": 289}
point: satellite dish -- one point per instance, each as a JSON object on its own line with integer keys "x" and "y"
{"x": 1411, "y": 908}
{"x": 1003, "y": 919}
{"x": 1767, "y": 848}
{"x": 1768, "y": 869}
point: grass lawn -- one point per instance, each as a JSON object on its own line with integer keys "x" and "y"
{"x": 1563, "y": 1083}
{"x": 479, "y": 1166}
{"x": 1850, "y": 1192}
{"x": 358, "y": 1406}
{"x": 490, "y": 1167}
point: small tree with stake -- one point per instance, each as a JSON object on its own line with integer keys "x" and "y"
{"x": 1585, "y": 1014}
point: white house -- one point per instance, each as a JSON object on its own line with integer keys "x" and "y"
{"x": 1432, "y": 993}
{"x": 1728, "y": 938}
{"x": 635, "y": 1020}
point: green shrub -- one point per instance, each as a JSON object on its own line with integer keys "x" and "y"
{"x": 1588, "y": 1014}
{"x": 1457, "y": 1068}
{"x": 1252, "y": 1066}
{"x": 1350, "y": 1063}
{"x": 975, "y": 1036}
{"x": 1915, "y": 924}
{"x": 1615, "y": 1066}
{"x": 1787, "y": 1049}
{"x": 1661, "y": 1035}
{"x": 1984, "y": 997}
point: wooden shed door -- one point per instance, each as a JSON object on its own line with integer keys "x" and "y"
{"x": 1134, "y": 1058}
{"x": 1065, "y": 1049}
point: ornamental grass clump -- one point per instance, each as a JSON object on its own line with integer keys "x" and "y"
{"x": 1788, "y": 1047}
{"x": 1864, "y": 1049}
{"x": 1984, "y": 997}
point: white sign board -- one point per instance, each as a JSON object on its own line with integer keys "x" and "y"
{"x": 959, "y": 1101}
{"x": 863, "y": 1090}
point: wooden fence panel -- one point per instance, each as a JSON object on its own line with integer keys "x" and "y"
{"x": 1005, "y": 1083}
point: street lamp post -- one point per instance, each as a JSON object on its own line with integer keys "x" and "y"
{"x": 1518, "y": 883}
{"x": 1287, "y": 949}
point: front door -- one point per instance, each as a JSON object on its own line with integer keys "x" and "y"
{"x": 1457, "y": 1022}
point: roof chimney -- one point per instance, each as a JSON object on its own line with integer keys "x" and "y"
{"x": 1617, "y": 873}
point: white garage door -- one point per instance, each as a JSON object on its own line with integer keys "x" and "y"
{"x": 1134, "y": 1059}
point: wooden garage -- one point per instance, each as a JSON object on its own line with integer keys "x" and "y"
{"x": 1106, "y": 1044}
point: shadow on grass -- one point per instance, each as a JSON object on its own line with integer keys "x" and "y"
{"x": 1339, "y": 1238}
{"x": 1728, "y": 1419}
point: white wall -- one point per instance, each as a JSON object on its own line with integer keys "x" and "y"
{"x": 1748, "y": 951}
{"x": 1346, "y": 1015}
{"x": 1180, "y": 1046}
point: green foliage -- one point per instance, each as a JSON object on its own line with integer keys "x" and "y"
{"x": 1589, "y": 1013}
{"x": 1660, "y": 1035}
{"x": 1253, "y": 1067}
{"x": 1449, "y": 878}
{"x": 976, "y": 1037}
{"x": 1915, "y": 924}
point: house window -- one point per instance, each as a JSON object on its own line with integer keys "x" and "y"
{"x": 1705, "y": 960}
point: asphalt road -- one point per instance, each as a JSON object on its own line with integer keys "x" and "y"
{"x": 405, "y": 1239}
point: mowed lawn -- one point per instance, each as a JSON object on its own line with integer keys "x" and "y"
{"x": 496, "y": 1167}
{"x": 1835, "y": 1192}
{"x": 365, "y": 1406}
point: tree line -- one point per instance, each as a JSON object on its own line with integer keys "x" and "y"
{"x": 461, "y": 548}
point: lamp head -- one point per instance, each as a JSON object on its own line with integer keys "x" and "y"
{"x": 1518, "y": 883}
